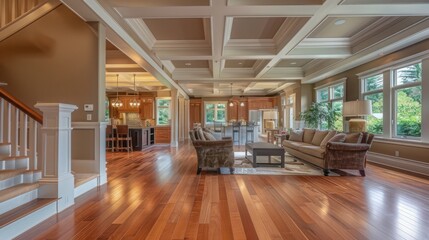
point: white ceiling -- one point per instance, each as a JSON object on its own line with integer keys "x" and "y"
{"x": 261, "y": 46}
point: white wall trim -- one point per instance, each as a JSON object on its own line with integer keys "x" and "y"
{"x": 399, "y": 163}
{"x": 402, "y": 142}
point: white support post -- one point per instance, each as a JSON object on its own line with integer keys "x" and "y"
{"x": 57, "y": 180}
{"x": 187, "y": 118}
{"x": 7, "y": 122}
{"x": 14, "y": 125}
{"x": 32, "y": 148}
{"x": 174, "y": 118}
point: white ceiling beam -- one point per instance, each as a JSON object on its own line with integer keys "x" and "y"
{"x": 311, "y": 24}
{"x": 169, "y": 66}
{"x": 278, "y": 89}
{"x": 218, "y": 31}
{"x": 249, "y": 87}
{"x": 207, "y": 11}
{"x": 285, "y": 73}
{"x": 216, "y": 88}
{"x": 314, "y": 52}
{"x": 381, "y": 10}
{"x": 226, "y": 80}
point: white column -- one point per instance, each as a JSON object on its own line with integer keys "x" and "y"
{"x": 57, "y": 180}
{"x": 181, "y": 119}
{"x": 186, "y": 118}
{"x": 174, "y": 118}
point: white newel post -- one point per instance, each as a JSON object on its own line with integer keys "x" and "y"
{"x": 57, "y": 180}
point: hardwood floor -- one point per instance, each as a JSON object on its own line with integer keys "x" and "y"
{"x": 155, "y": 194}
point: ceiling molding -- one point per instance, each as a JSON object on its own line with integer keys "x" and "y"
{"x": 141, "y": 29}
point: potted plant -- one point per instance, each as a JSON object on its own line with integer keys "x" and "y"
{"x": 319, "y": 113}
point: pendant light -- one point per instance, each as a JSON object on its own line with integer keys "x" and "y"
{"x": 135, "y": 102}
{"x": 231, "y": 104}
{"x": 117, "y": 103}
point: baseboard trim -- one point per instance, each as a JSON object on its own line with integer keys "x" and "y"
{"x": 399, "y": 163}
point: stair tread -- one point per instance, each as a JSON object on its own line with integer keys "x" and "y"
{"x": 80, "y": 179}
{"x": 17, "y": 190}
{"x": 5, "y": 174}
{"x": 12, "y": 158}
{"x": 24, "y": 210}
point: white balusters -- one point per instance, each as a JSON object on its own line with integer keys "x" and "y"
{"x": 21, "y": 131}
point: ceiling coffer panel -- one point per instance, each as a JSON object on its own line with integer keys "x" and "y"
{"x": 239, "y": 63}
{"x": 191, "y": 63}
{"x": 176, "y": 28}
{"x": 158, "y": 3}
{"x": 256, "y": 28}
{"x": 342, "y": 27}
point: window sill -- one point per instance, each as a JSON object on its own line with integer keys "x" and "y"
{"x": 400, "y": 141}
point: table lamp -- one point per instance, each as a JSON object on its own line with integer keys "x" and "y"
{"x": 357, "y": 109}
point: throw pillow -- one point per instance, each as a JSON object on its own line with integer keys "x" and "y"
{"x": 308, "y": 135}
{"x": 328, "y": 137}
{"x": 208, "y": 136}
{"x": 353, "y": 138}
{"x": 200, "y": 134}
{"x": 318, "y": 137}
{"x": 340, "y": 137}
{"x": 296, "y": 136}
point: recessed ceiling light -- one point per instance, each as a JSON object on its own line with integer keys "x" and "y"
{"x": 188, "y": 64}
{"x": 339, "y": 22}
{"x": 240, "y": 63}
{"x": 292, "y": 63}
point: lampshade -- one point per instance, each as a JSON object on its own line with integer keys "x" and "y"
{"x": 270, "y": 114}
{"x": 357, "y": 108}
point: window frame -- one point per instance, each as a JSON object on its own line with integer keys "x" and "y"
{"x": 331, "y": 98}
{"x": 389, "y": 98}
{"x": 364, "y": 93}
{"x": 215, "y": 111}
{"x": 394, "y": 103}
{"x": 162, "y": 107}
{"x": 290, "y": 105}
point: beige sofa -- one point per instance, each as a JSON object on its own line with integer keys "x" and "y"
{"x": 329, "y": 150}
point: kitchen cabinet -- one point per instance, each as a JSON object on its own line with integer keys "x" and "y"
{"x": 147, "y": 108}
{"x": 163, "y": 134}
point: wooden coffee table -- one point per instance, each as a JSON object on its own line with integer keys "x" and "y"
{"x": 265, "y": 149}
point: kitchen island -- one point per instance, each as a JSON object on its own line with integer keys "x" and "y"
{"x": 142, "y": 137}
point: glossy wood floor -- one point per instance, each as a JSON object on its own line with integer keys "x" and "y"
{"x": 156, "y": 194}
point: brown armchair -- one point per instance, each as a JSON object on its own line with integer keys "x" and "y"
{"x": 212, "y": 153}
{"x": 341, "y": 155}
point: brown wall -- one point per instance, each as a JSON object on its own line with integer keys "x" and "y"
{"x": 54, "y": 59}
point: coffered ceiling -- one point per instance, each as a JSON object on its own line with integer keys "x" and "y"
{"x": 260, "y": 46}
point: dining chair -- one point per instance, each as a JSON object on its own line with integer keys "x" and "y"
{"x": 110, "y": 138}
{"x": 123, "y": 138}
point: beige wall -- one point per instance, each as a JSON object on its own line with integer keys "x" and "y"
{"x": 54, "y": 59}
{"x": 352, "y": 93}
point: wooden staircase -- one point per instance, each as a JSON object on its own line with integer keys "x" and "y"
{"x": 20, "y": 207}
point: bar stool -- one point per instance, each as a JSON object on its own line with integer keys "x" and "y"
{"x": 110, "y": 138}
{"x": 236, "y": 132}
{"x": 123, "y": 138}
{"x": 250, "y": 129}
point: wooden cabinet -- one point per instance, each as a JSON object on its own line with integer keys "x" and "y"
{"x": 147, "y": 108}
{"x": 163, "y": 134}
{"x": 195, "y": 111}
{"x": 142, "y": 137}
{"x": 260, "y": 103}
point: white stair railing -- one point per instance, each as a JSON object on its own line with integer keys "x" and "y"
{"x": 20, "y": 128}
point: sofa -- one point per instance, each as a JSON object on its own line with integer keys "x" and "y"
{"x": 212, "y": 152}
{"x": 329, "y": 149}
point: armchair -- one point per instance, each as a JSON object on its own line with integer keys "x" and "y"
{"x": 341, "y": 155}
{"x": 212, "y": 153}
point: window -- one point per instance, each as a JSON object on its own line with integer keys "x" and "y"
{"x": 163, "y": 111}
{"x": 333, "y": 96}
{"x": 215, "y": 111}
{"x": 373, "y": 90}
{"x": 407, "y": 101}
